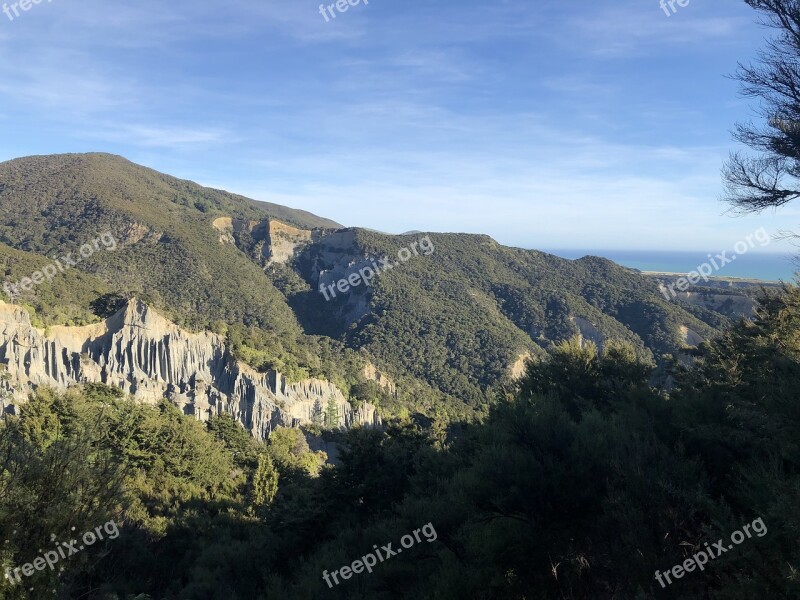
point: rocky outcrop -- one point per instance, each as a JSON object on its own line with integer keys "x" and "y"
{"x": 690, "y": 337}
{"x": 588, "y": 331}
{"x": 284, "y": 241}
{"x": 371, "y": 373}
{"x": 335, "y": 257}
{"x": 268, "y": 241}
{"x": 150, "y": 358}
{"x": 520, "y": 365}
{"x": 731, "y": 305}
{"x": 133, "y": 233}
{"x": 224, "y": 225}
{"x": 327, "y": 256}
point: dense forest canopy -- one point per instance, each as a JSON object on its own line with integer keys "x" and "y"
{"x": 583, "y": 483}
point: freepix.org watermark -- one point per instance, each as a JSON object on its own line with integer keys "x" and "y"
{"x": 63, "y": 550}
{"x": 368, "y": 561}
{"x": 25, "y": 5}
{"x": 671, "y": 4}
{"x": 367, "y": 274}
{"x": 341, "y": 6}
{"x": 60, "y": 265}
{"x": 700, "y": 560}
{"x": 716, "y": 263}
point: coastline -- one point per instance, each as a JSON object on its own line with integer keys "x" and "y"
{"x": 716, "y": 280}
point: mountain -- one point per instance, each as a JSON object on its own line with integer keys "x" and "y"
{"x": 463, "y": 316}
{"x": 441, "y": 329}
{"x": 187, "y": 368}
{"x": 58, "y": 203}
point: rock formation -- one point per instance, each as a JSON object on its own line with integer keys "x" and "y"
{"x": 150, "y": 358}
{"x": 371, "y": 373}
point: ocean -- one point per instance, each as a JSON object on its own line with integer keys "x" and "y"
{"x": 764, "y": 266}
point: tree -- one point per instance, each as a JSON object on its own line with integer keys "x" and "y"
{"x": 109, "y": 304}
{"x": 265, "y": 482}
{"x": 771, "y": 177}
{"x": 317, "y": 416}
{"x": 332, "y": 414}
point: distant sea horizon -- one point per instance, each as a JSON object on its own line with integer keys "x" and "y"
{"x": 753, "y": 265}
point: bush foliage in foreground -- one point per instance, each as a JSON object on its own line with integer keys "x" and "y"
{"x": 581, "y": 485}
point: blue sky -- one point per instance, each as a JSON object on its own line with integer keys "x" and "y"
{"x": 554, "y": 124}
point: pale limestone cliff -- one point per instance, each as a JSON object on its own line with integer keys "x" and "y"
{"x": 330, "y": 256}
{"x": 272, "y": 241}
{"x": 285, "y": 240}
{"x": 731, "y": 305}
{"x": 147, "y": 356}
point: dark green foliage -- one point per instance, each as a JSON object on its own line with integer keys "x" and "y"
{"x": 332, "y": 414}
{"x": 244, "y": 449}
{"x": 579, "y": 486}
{"x": 317, "y": 414}
{"x": 166, "y": 251}
{"x": 368, "y": 391}
{"x": 64, "y": 301}
{"x": 459, "y": 318}
{"x": 265, "y": 483}
{"x": 109, "y": 304}
{"x": 55, "y": 475}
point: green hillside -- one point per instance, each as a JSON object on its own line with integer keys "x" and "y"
{"x": 168, "y": 254}
{"x": 448, "y": 327}
{"x": 461, "y": 317}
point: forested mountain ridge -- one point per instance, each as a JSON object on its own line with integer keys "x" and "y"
{"x": 447, "y": 325}
{"x": 206, "y": 397}
{"x": 459, "y": 317}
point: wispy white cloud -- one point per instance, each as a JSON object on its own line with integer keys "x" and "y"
{"x": 164, "y": 137}
{"x": 614, "y": 30}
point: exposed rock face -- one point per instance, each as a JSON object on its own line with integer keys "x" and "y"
{"x": 136, "y": 232}
{"x": 268, "y": 241}
{"x": 371, "y": 373}
{"x": 147, "y": 356}
{"x": 690, "y": 338}
{"x": 251, "y": 236}
{"x": 335, "y": 257}
{"x": 326, "y": 256}
{"x": 225, "y": 227}
{"x": 588, "y": 331}
{"x": 518, "y": 368}
{"x": 285, "y": 240}
{"x": 733, "y": 306}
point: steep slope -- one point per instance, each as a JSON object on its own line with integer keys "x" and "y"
{"x": 444, "y": 327}
{"x": 461, "y": 317}
{"x": 167, "y": 252}
{"x": 191, "y": 253}
{"x": 146, "y": 356}
{"x": 81, "y": 183}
